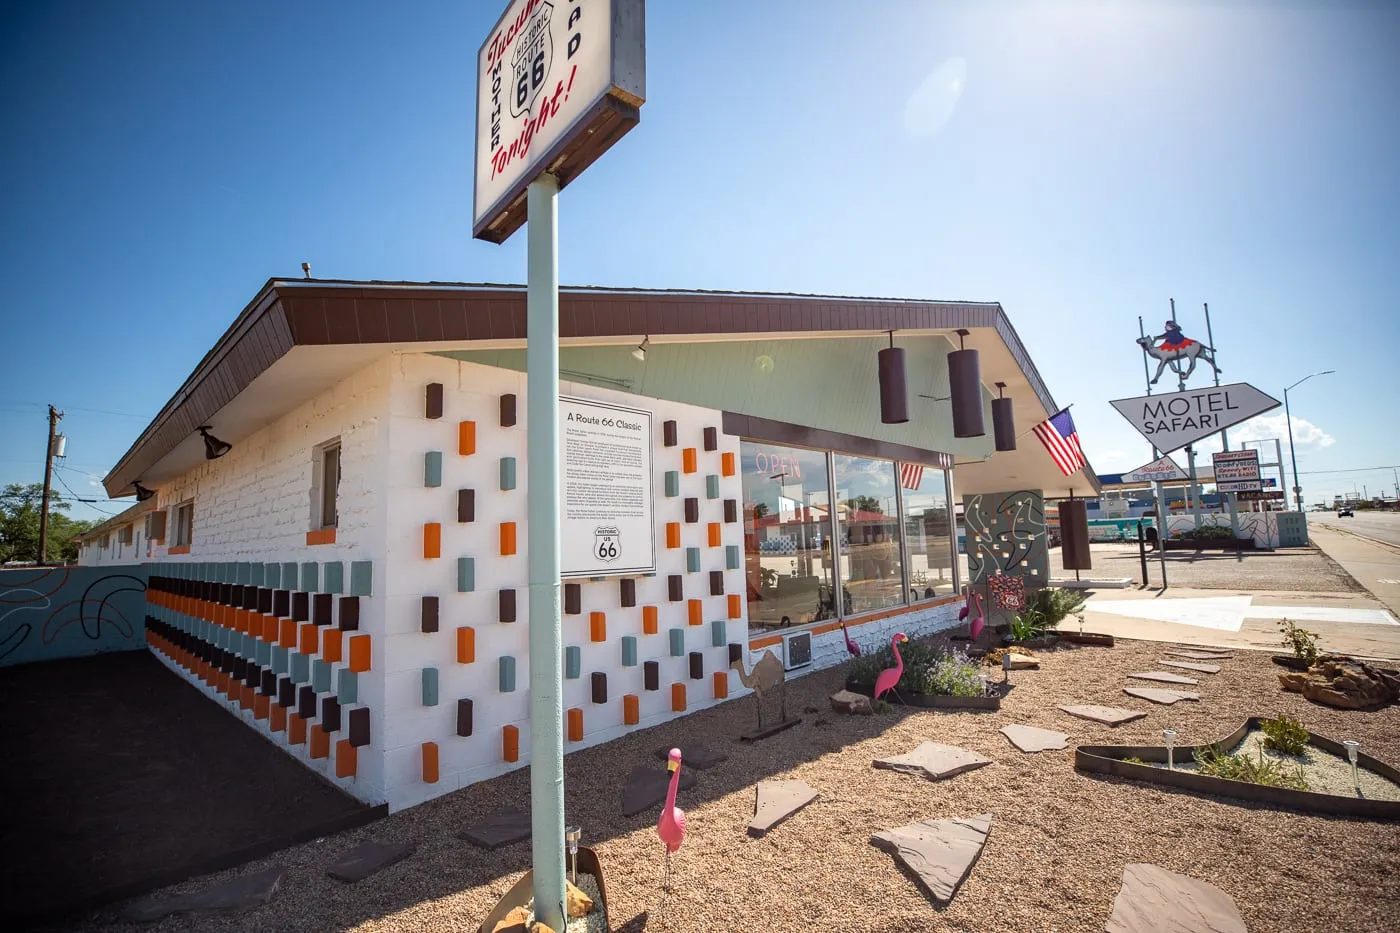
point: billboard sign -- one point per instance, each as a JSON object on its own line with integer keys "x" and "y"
{"x": 557, "y": 84}
{"x": 1236, "y": 470}
{"x": 1173, "y": 420}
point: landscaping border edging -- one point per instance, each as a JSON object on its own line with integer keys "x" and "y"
{"x": 1108, "y": 759}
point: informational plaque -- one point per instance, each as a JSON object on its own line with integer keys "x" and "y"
{"x": 607, "y": 526}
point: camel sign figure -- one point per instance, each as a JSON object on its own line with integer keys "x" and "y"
{"x": 1175, "y": 349}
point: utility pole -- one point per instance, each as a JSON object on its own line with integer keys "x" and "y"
{"x": 54, "y": 416}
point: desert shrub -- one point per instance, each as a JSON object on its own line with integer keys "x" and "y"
{"x": 927, "y": 670}
{"x": 1056, "y": 603}
{"x": 1269, "y": 772}
{"x": 1300, "y": 640}
{"x": 1285, "y": 735}
{"x": 1027, "y": 624}
{"x": 1208, "y": 533}
{"x": 952, "y": 674}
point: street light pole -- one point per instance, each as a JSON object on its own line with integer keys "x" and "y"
{"x": 1293, "y": 451}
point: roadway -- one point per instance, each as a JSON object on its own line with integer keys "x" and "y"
{"x": 1379, "y": 526}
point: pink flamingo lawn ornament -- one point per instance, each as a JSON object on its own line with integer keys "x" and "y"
{"x": 890, "y": 676}
{"x": 851, "y": 646}
{"x": 975, "y": 627}
{"x": 671, "y": 826}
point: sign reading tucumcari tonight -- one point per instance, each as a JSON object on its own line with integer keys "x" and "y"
{"x": 1172, "y": 421}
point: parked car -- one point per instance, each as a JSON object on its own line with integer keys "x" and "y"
{"x": 1345, "y": 513}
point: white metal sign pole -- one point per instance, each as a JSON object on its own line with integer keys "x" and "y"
{"x": 546, "y": 636}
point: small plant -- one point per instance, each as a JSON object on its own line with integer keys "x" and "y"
{"x": 1027, "y": 624}
{"x": 953, "y": 674}
{"x": 1134, "y": 760}
{"x": 880, "y": 706}
{"x": 1269, "y": 772}
{"x": 1285, "y": 735}
{"x": 1208, "y": 533}
{"x": 1303, "y": 642}
{"x": 1055, "y": 604}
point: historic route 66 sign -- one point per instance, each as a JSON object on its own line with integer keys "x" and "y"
{"x": 607, "y": 544}
{"x": 530, "y": 64}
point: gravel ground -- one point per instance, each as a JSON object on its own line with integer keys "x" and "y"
{"x": 1054, "y": 859}
{"x": 1304, "y": 570}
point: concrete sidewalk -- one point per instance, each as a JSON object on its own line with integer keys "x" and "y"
{"x": 1373, "y": 564}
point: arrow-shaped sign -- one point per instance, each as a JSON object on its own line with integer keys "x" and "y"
{"x": 1172, "y": 421}
{"x": 1158, "y": 471}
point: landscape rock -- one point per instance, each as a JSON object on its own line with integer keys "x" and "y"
{"x": 775, "y": 801}
{"x": 498, "y": 829}
{"x": 844, "y": 701}
{"x": 1164, "y": 677}
{"x": 1108, "y": 715}
{"x": 646, "y": 788}
{"x": 1200, "y": 666}
{"x": 694, "y": 756}
{"x": 1032, "y": 739}
{"x": 1345, "y": 683}
{"x": 366, "y": 859}
{"x": 1155, "y": 900}
{"x": 238, "y": 894}
{"x": 940, "y": 853}
{"x": 517, "y": 921}
{"x": 934, "y": 761}
{"x": 1161, "y": 695}
{"x": 579, "y": 904}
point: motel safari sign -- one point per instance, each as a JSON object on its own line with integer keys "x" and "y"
{"x": 1171, "y": 421}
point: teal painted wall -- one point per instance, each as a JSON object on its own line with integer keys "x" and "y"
{"x": 70, "y": 612}
{"x": 829, "y": 383}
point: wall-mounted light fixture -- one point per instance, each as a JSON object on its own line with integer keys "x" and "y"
{"x": 1003, "y": 420}
{"x": 213, "y": 447}
{"x": 965, "y": 386}
{"x": 142, "y": 493}
{"x": 894, "y": 394}
{"x": 640, "y": 352}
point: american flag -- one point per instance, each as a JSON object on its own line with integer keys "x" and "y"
{"x": 911, "y": 475}
{"x": 1062, "y": 441}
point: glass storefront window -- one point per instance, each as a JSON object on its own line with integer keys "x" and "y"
{"x": 867, "y": 510}
{"x": 787, "y": 536}
{"x": 927, "y": 531}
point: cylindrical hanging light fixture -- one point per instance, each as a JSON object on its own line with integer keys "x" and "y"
{"x": 965, "y": 387}
{"x": 894, "y": 394}
{"x": 1003, "y": 420}
{"x": 1074, "y": 535}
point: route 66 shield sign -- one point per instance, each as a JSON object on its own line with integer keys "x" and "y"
{"x": 607, "y": 544}
{"x": 531, "y": 63}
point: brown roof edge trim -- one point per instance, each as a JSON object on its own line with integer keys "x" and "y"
{"x": 782, "y": 432}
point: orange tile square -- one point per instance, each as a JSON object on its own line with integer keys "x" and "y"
{"x": 289, "y": 634}
{"x": 466, "y": 438}
{"x": 309, "y": 636}
{"x": 296, "y": 729}
{"x": 432, "y": 540}
{"x": 673, "y": 534}
{"x": 649, "y": 620}
{"x": 721, "y": 680}
{"x": 678, "y": 698}
{"x": 320, "y": 536}
{"x": 261, "y": 706}
{"x": 430, "y": 763}
{"x": 726, "y": 464}
{"x": 345, "y": 759}
{"x": 696, "y": 610}
{"x": 631, "y": 710}
{"x": 510, "y": 743}
{"x": 597, "y": 626}
{"x": 270, "y": 626}
{"x": 575, "y": 725}
{"x": 279, "y": 718}
{"x": 689, "y": 460}
{"x": 715, "y": 530}
{"x": 466, "y": 644}
{"x": 359, "y": 653}
{"x": 507, "y": 538}
{"x": 736, "y": 606}
{"x": 331, "y": 645}
{"x": 320, "y": 743}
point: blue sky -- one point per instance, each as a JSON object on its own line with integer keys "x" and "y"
{"x": 1081, "y": 163}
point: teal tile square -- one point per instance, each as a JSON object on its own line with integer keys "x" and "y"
{"x": 507, "y": 473}
{"x": 673, "y": 483}
{"x": 250, "y": 646}
{"x": 289, "y": 575}
{"x": 573, "y": 662}
{"x": 309, "y": 581}
{"x": 361, "y": 577}
{"x": 719, "y": 633}
{"x": 692, "y": 559}
{"x": 430, "y": 686}
{"x": 279, "y": 659}
{"x": 301, "y": 667}
{"x": 272, "y": 576}
{"x": 731, "y": 557}
{"x": 245, "y": 573}
{"x": 629, "y": 650}
{"x": 263, "y": 652}
{"x": 256, "y": 574}
{"x": 333, "y": 577}
{"x": 466, "y": 575}
{"x": 507, "y": 674}
{"x": 320, "y": 676}
{"x": 432, "y": 468}
{"x": 712, "y": 486}
{"x": 347, "y": 687}
{"x": 677, "y": 642}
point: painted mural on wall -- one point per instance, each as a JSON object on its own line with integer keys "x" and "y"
{"x": 68, "y": 612}
{"x": 1005, "y": 534}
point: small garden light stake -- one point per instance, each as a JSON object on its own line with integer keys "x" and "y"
{"x": 572, "y": 834}
{"x": 1169, "y": 735}
{"x": 1006, "y": 668}
{"x": 1352, "y": 747}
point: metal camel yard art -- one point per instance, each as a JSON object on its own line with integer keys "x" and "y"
{"x": 766, "y": 674}
{"x": 1174, "y": 349}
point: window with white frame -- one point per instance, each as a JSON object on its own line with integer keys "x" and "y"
{"x": 325, "y": 485}
{"x": 184, "y": 524}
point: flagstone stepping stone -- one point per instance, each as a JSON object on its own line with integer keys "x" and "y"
{"x": 934, "y": 761}
{"x": 1192, "y": 666}
{"x": 498, "y": 829}
{"x": 242, "y": 893}
{"x": 694, "y": 756}
{"x": 775, "y": 801}
{"x": 1108, "y": 715}
{"x": 366, "y": 859}
{"x": 1211, "y": 648}
{"x": 1165, "y": 677}
{"x": 1161, "y": 694}
{"x": 1200, "y": 655}
{"x": 646, "y": 787}
{"x": 1031, "y": 739}
{"x": 1155, "y": 900}
{"x": 940, "y": 853}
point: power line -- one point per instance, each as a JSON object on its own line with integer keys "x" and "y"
{"x": 1357, "y": 470}
{"x": 95, "y": 411}
{"x": 78, "y": 498}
